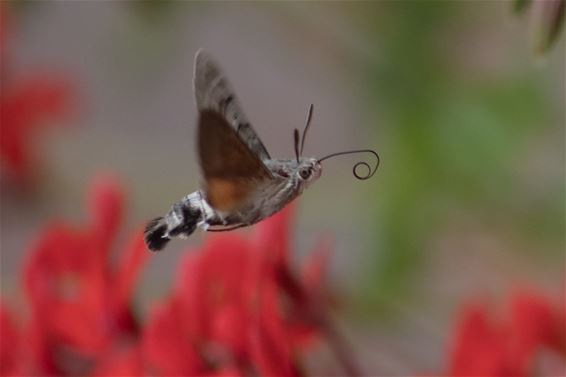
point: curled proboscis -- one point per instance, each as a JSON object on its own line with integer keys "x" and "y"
{"x": 355, "y": 169}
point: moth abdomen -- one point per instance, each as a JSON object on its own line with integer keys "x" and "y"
{"x": 188, "y": 218}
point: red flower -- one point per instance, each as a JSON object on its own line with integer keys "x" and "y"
{"x": 167, "y": 347}
{"x": 486, "y": 346}
{"x": 26, "y": 105}
{"x": 80, "y": 304}
{"x": 4, "y": 23}
{"x": 237, "y": 308}
{"x": 10, "y": 344}
{"x": 126, "y": 362}
{"x": 542, "y": 326}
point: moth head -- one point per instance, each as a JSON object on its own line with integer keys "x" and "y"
{"x": 308, "y": 170}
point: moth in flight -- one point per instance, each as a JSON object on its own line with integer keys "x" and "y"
{"x": 242, "y": 184}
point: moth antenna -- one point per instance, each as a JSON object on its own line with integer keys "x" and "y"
{"x": 309, "y": 118}
{"x": 370, "y": 172}
{"x": 296, "y": 142}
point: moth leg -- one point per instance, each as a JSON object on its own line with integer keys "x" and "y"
{"x": 227, "y": 229}
{"x": 218, "y": 223}
{"x": 215, "y": 220}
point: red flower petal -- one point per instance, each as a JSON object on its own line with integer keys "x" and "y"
{"x": 536, "y": 324}
{"x": 273, "y": 235}
{"x": 230, "y": 329}
{"x": 4, "y": 24}
{"x": 167, "y": 351}
{"x": 480, "y": 347}
{"x": 315, "y": 269}
{"x": 122, "y": 363}
{"x": 66, "y": 281}
{"x": 227, "y": 372}
{"x": 24, "y": 107}
{"x": 511, "y": 347}
{"x": 10, "y": 345}
{"x": 132, "y": 261}
{"x": 270, "y": 343}
{"x": 106, "y": 208}
{"x": 78, "y": 301}
{"x": 211, "y": 280}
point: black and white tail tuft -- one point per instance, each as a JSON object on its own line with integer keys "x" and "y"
{"x": 155, "y": 234}
{"x": 181, "y": 221}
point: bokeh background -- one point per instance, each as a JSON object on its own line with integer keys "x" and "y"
{"x": 465, "y": 112}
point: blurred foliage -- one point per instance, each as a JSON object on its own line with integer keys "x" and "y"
{"x": 455, "y": 141}
{"x": 521, "y": 5}
{"x": 550, "y": 23}
{"x": 154, "y": 11}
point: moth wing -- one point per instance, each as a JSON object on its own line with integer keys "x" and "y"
{"x": 232, "y": 172}
{"x": 214, "y": 92}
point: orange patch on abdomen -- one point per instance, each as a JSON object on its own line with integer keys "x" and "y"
{"x": 226, "y": 194}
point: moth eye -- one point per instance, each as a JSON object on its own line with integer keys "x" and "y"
{"x": 305, "y": 173}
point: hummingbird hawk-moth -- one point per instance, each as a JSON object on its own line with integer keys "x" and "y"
{"x": 242, "y": 184}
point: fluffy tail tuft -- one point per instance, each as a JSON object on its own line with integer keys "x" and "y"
{"x": 154, "y": 234}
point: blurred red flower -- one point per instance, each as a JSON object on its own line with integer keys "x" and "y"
{"x": 238, "y": 309}
{"x": 124, "y": 362}
{"x": 26, "y": 105}
{"x": 516, "y": 346}
{"x": 4, "y": 24}
{"x": 80, "y": 303}
{"x": 10, "y": 344}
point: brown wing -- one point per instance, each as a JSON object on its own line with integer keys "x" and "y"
{"x": 232, "y": 172}
{"x": 214, "y": 92}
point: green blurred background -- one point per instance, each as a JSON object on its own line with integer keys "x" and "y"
{"x": 467, "y": 118}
